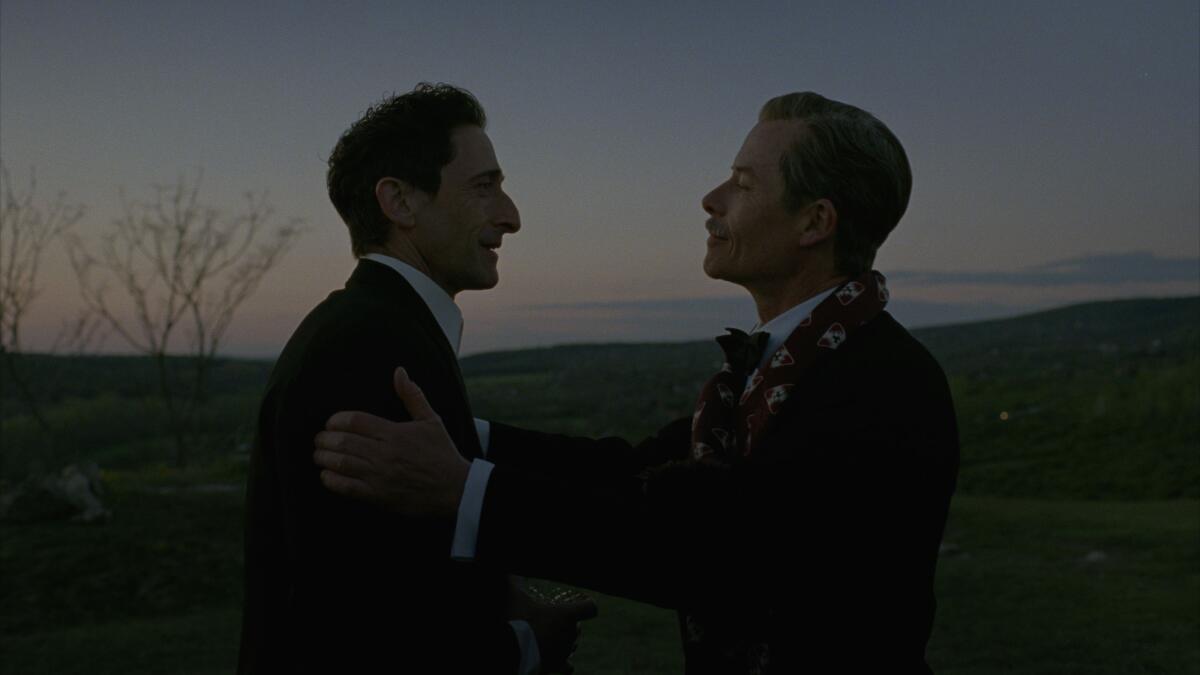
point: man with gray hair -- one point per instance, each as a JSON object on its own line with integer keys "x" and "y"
{"x": 794, "y": 519}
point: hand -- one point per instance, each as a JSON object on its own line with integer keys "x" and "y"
{"x": 556, "y": 625}
{"x": 412, "y": 467}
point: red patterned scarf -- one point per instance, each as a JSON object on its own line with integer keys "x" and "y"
{"x": 724, "y": 429}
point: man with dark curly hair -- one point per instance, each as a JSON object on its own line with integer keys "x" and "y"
{"x": 418, "y": 185}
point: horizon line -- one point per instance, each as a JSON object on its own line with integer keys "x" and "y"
{"x": 1020, "y": 313}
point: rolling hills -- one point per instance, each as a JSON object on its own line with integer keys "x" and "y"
{"x": 1091, "y": 401}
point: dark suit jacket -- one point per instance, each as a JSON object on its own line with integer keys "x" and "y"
{"x": 335, "y": 585}
{"x": 822, "y": 546}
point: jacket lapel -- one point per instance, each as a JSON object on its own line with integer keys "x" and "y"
{"x": 824, "y": 387}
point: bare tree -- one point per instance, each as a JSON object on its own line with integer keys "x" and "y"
{"x": 27, "y": 228}
{"x": 184, "y": 269}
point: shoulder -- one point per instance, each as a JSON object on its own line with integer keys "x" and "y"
{"x": 353, "y": 325}
{"x": 885, "y": 349}
{"x": 360, "y": 316}
{"x": 884, "y": 372}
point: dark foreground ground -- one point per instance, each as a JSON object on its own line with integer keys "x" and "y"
{"x": 1027, "y": 586}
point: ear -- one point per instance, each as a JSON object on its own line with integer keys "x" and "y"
{"x": 400, "y": 201}
{"x": 817, "y": 222}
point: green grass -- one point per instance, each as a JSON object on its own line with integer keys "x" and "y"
{"x": 1098, "y": 454}
{"x": 628, "y": 638}
{"x": 163, "y": 554}
{"x": 1102, "y": 400}
{"x": 158, "y": 590}
{"x": 1019, "y": 595}
{"x": 199, "y": 642}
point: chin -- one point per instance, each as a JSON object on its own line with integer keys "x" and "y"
{"x": 485, "y": 281}
{"x": 712, "y": 269}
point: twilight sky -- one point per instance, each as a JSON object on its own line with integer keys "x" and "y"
{"x": 1055, "y": 145}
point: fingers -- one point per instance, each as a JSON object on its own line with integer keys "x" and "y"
{"x": 360, "y": 423}
{"x": 568, "y": 667}
{"x": 347, "y": 487}
{"x": 343, "y": 443}
{"x": 344, "y": 464}
{"x": 411, "y": 396}
{"x": 582, "y": 610}
{"x": 373, "y": 426}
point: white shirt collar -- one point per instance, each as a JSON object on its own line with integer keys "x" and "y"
{"x": 782, "y": 326}
{"x": 439, "y": 302}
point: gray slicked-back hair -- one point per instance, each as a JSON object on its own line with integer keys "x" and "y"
{"x": 845, "y": 155}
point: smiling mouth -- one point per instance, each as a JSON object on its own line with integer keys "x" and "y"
{"x": 715, "y": 231}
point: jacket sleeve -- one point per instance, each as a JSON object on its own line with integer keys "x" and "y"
{"x": 585, "y": 459}
{"x": 852, "y": 509}
{"x": 353, "y": 571}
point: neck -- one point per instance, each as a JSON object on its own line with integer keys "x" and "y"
{"x": 404, "y": 251}
{"x": 775, "y": 299}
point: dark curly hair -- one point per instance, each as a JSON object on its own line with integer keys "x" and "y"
{"x": 406, "y": 137}
{"x": 845, "y": 155}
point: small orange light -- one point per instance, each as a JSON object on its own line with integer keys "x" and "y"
{"x": 1004, "y": 415}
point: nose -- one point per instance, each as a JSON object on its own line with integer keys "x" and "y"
{"x": 508, "y": 218}
{"x": 710, "y": 202}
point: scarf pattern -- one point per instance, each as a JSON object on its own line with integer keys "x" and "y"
{"x": 737, "y": 408}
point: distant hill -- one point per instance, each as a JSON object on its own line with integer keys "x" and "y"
{"x": 1099, "y": 400}
{"x": 1102, "y": 400}
{"x": 1070, "y": 334}
{"x": 1130, "y": 326}
{"x": 59, "y": 378}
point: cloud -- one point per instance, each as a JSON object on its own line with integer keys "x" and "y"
{"x": 1112, "y": 269}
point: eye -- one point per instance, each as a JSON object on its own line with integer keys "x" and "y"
{"x": 487, "y": 184}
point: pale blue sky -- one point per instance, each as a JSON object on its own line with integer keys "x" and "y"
{"x": 1037, "y": 131}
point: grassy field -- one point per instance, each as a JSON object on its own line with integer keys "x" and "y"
{"x": 1072, "y": 547}
{"x": 158, "y": 590}
{"x": 1059, "y": 587}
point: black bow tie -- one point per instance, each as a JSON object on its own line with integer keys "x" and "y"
{"x": 742, "y": 351}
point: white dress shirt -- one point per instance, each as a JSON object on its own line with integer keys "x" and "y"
{"x": 782, "y": 326}
{"x": 447, "y": 314}
{"x": 450, "y": 319}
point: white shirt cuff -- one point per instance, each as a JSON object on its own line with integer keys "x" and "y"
{"x": 531, "y": 660}
{"x": 466, "y": 527}
{"x": 483, "y": 429}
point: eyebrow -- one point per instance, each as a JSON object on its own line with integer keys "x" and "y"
{"x": 494, "y": 173}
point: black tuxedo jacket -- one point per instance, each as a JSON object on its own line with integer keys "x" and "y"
{"x": 821, "y": 546}
{"x": 339, "y": 586}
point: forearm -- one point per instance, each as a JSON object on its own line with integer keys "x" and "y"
{"x": 592, "y": 460}
{"x": 621, "y": 542}
{"x": 702, "y": 536}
